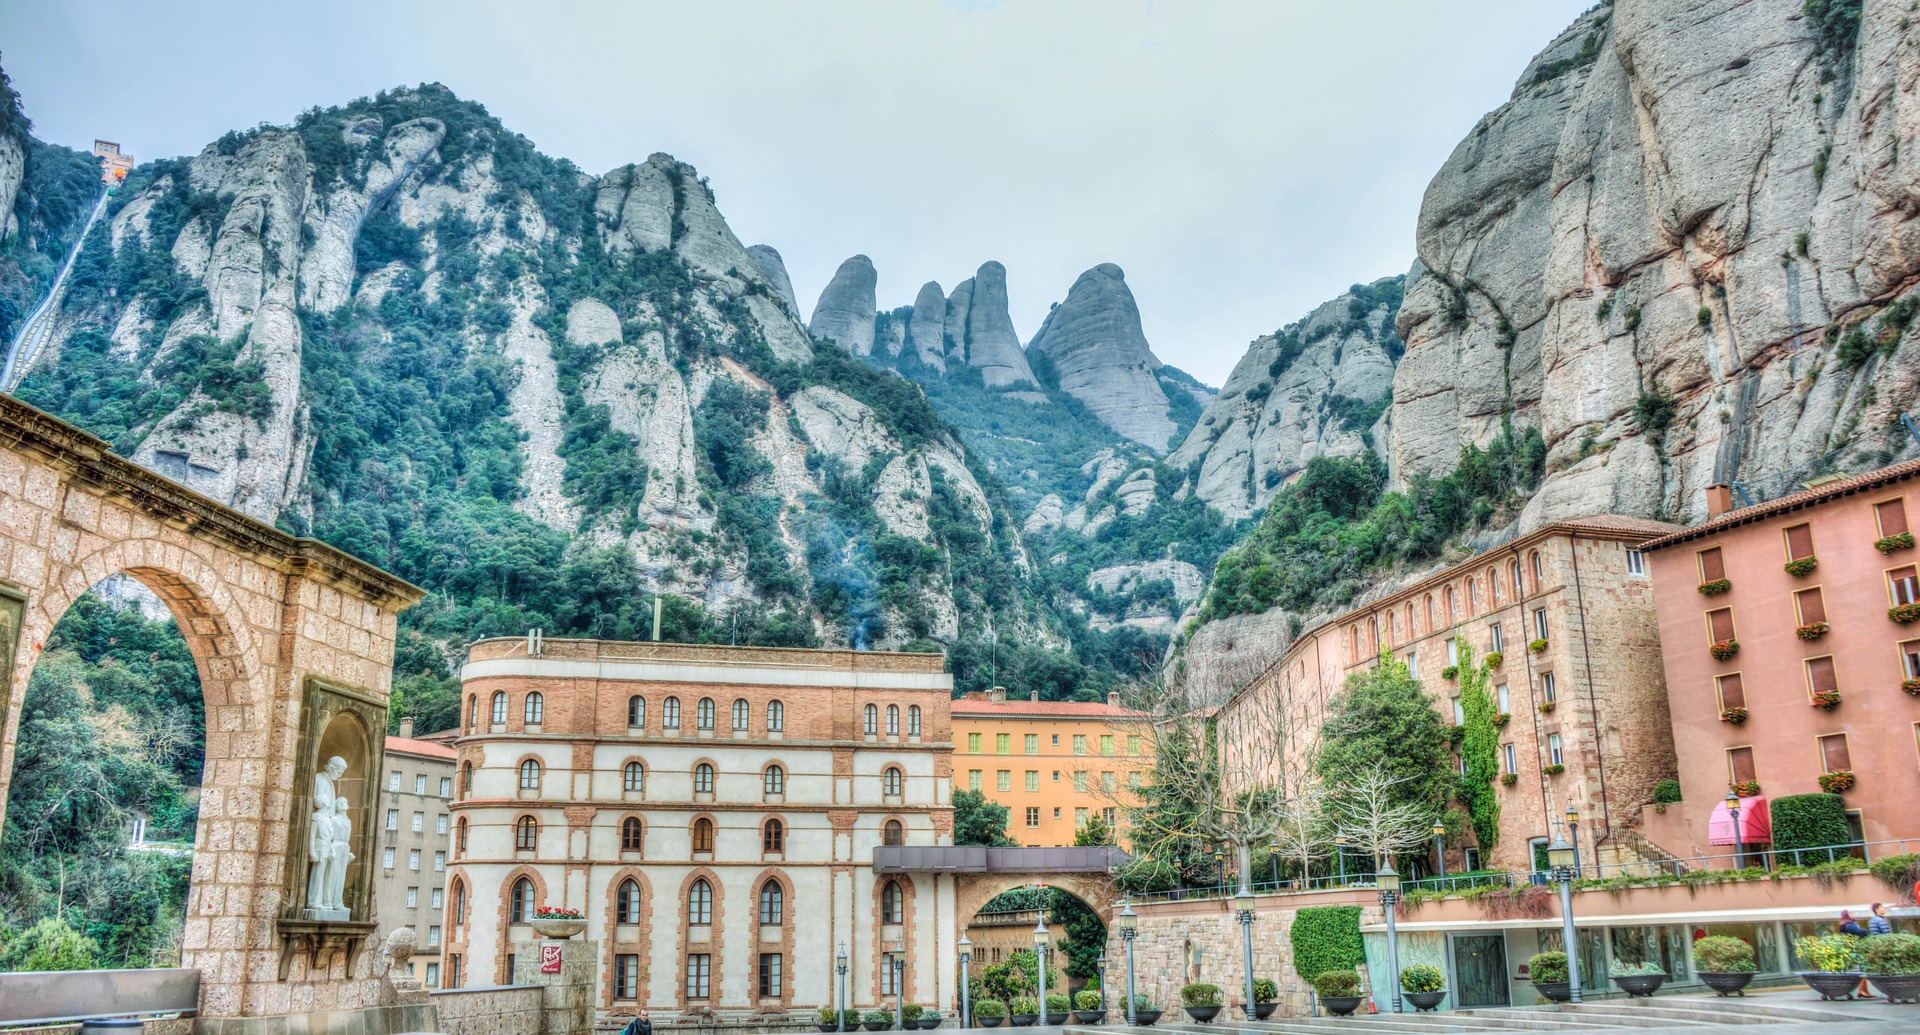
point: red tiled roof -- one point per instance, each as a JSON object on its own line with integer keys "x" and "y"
{"x": 424, "y": 749}
{"x": 1041, "y": 709}
{"x": 1794, "y": 501}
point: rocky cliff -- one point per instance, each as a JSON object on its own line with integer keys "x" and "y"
{"x": 1100, "y": 357}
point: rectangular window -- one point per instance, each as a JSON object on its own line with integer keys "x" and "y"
{"x": 433, "y": 975}
{"x": 1504, "y": 700}
{"x": 1033, "y": 779}
{"x": 393, "y": 781}
{"x": 1732, "y": 693}
{"x": 1003, "y": 780}
{"x": 1133, "y": 744}
{"x": 1834, "y": 754}
{"x": 1453, "y": 652}
{"x": 446, "y": 787}
{"x": 420, "y": 783}
{"x": 1003, "y": 743}
{"x": 386, "y": 858}
{"x": 1553, "y": 750}
{"x": 440, "y": 823}
{"x": 1799, "y": 541}
{"x": 1079, "y": 782}
{"x": 1459, "y": 713}
{"x": 1636, "y": 562}
{"x": 1903, "y": 586}
{"x": 1511, "y": 758}
{"x": 1033, "y": 743}
{"x": 888, "y": 983}
{"x": 1892, "y": 515}
{"x": 393, "y": 819}
{"x": 1495, "y": 640}
{"x": 1713, "y": 567}
{"x": 1540, "y": 623}
{"x": 1079, "y": 818}
{"x": 626, "y": 976}
{"x": 1910, "y": 658}
{"x": 1079, "y": 743}
{"x": 1033, "y": 819}
{"x": 413, "y": 897}
{"x": 1106, "y": 781}
{"x": 1108, "y": 815}
{"x": 770, "y": 975}
{"x": 1413, "y": 664}
{"x": 1740, "y": 765}
{"x": 437, "y": 900}
{"x": 439, "y": 862}
{"x": 973, "y": 779}
{"x": 1821, "y": 678}
{"x": 699, "y": 974}
{"x": 413, "y": 858}
{"x": 1106, "y": 744}
{"x": 419, "y": 822}
{"x": 1549, "y": 690}
{"x": 973, "y": 743}
{"x": 1133, "y": 779}
{"x": 1719, "y": 625}
{"x": 433, "y": 936}
{"x": 1811, "y": 605}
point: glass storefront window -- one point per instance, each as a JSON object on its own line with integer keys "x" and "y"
{"x": 1665, "y": 947}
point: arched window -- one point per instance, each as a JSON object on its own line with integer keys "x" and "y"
{"x": 1393, "y": 628}
{"x": 637, "y": 711}
{"x": 1450, "y": 605}
{"x": 530, "y": 775}
{"x": 1519, "y": 588}
{"x": 526, "y": 834}
{"x": 774, "y": 781}
{"x": 1353, "y": 642}
{"x": 773, "y": 836}
{"x": 520, "y": 903}
{"x": 626, "y": 905}
{"x": 893, "y": 833}
{"x": 460, "y": 837}
{"x": 773, "y": 902}
{"x": 536, "y": 710}
{"x": 633, "y": 778}
{"x": 459, "y": 902}
{"x": 1413, "y": 628}
{"x": 893, "y": 720}
{"x": 630, "y": 834}
{"x": 473, "y": 712}
{"x": 499, "y": 707}
{"x": 1493, "y": 586}
{"x": 700, "y": 902}
{"x": 670, "y": 713}
{"x": 1373, "y": 634}
{"x": 740, "y": 710}
{"x": 703, "y": 778}
{"x": 913, "y": 721}
{"x": 466, "y": 778}
{"x": 1473, "y": 596}
{"x": 776, "y": 717}
{"x": 873, "y": 720}
{"x": 1429, "y": 612}
{"x": 704, "y": 713}
{"x": 892, "y": 903}
{"x": 1536, "y": 571}
{"x": 890, "y": 781}
{"x": 703, "y": 835}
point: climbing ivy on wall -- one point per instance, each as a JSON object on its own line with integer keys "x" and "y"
{"x": 1325, "y": 938}
{"x": 1479, "y": 747}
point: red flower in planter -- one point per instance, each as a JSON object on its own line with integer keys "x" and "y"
{"x": 1837, "y": 781}
{"x": 1827, "y": 701}
{"x": 1802, "y": 567}
{"x": 1904, "y": 613}
{"x": 1745, "y": 788}
{"x": 1812, "y": 630}
{"x": 1903, "y": 541}
{"x": 1911, "y": 686}
{"x": 1733, "y": 716}
{"x": 1716, "y": 587}
{"x": 1724, "y": 649}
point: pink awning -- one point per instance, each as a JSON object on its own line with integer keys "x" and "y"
{"x": 1756, "y": 826}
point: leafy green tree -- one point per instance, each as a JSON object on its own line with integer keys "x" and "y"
{"x": 1382, "y": 717}
{"x": 979, "y": 821}
{"x": 1479, "y": 748}
{"x": 1086, "y": 936}
{"x": 1094, "y": 832}
{"x": 51, "y": 945}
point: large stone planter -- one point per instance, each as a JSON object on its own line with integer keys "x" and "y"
{"x": 1831, "y": 985}
{"x": 1340, "y": 1005}
{"x": 1202, "y": 1014}
{"x": 1425, "y": 1002}
{"x": 1727, "y": 982}
{"x": 1054, "y": 1020}
{"x": 1089, "y": 1016}
{"x": 1023, "y": 1020}
{"x": 1262, "y": 1011}
{"x": 1554, "y": 991}
{"x": 553, "y": 928}
{"x": 1898, "y": 988}
{"x": 1640, "y": 986}
{"x": 988, "y": 1022}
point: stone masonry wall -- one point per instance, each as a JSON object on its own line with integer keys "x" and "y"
{"x": 506, "y": 1010}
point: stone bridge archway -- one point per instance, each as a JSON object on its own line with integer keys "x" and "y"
{"x": 277, "y": 626}
{"x": 974, "y": 890}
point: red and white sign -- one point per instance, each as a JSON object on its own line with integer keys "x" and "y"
{"x": 549, "y": 959}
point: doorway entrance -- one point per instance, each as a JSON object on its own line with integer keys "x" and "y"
{"x": 1480, "y": 965}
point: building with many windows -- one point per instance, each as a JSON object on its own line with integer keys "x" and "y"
{"x": 1792, "y": 647}
{"x": 1053, "y": 764}
{"x": 713, "y": 811}
{"x": 410, "y": 883}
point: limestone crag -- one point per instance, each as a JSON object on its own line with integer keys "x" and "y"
{"x": 845, "y": 312}
{"x": 775, "y": 268}
{"x": 1101, "y": 357}
{"x": 13, "y": 169}
{"x": 926, "y": 326}
{"x": 979, "y": 331}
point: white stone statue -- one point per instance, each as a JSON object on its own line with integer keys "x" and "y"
{"x": 329, "y": 847}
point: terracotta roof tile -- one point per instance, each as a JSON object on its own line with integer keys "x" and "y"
{"x": 1040, "y": 709}
{"x": 1793, "y": 501}
{"x": 424, "y": 749}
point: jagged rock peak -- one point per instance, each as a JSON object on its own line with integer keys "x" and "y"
{"x": 768, "y": 259}
{"x": 986, "y": 333}
{"x": 845, "y": 312}
{"x": 926, "y": 327}
{"x": 1101, "y": 356}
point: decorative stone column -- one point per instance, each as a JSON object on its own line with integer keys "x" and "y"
{"x": 566, "y": 996}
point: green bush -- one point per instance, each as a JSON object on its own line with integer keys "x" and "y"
{"x": 1899, "y": 872}
{"x": 1326, "y": 938}
{"x": 1723, "y": 955}
{"x": 1829, "y": 953}
{"x": 1422, "y": 977}
{"x": 1666, "y": 792}
{"x": 1024, "y": 1006}
{"x": 1086, "y": 999}
{"x": 1336, "y": 984}
{"x": 1893, "y": 954}
{"x": 1200, "y": 994}
{"x": 912, "y": 1012}
{"x": 1265, "y": 990}
{"x": 1621, "y": 968}
{"x": 1142, "y": 1001}
{"x": 1057, "y": 1003}
{"x": 1547, "y": 967}
{"x": 1809, "y": 821}
{"x": 879, "y": 1017}
{"x": 989, "y": 1008}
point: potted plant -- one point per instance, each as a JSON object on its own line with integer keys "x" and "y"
{"x": 929, "y": 1020}
{"x": 1495, "y": 657}
{"x": 1086, "y": 1007}
{"x": 1826, "y": 700}
{"x": 1638, "y": 980}
{"x": 1554, "y": 770}
{"x": 878, "y": 1020}
{"x": 1893, "y": 966}
{"x": 1723, "y": 650}
{"x": 1548, "y": 972}
{"x": 1802, "y": 567}
{"x": 1835, "y": 962}
{"x": 1905, "y": 613}
{"x": 1266, "y": 998}
{"x": 1745, "y": 788}
{"x": 988, "y": 1013}
{"x": 1201, "y": 1001}
{"x": 1903, "y": 541}
{"x": 1450, "y": 672}
{"x": 1537, "y": 645}
{"x": 828, "y": 1019}
{"x": 1058, "y": 1006}
{"x": 1733, "y": 716}
{"x": 1715, "y": 588}
{"x": 1837, "y": 781}
{"x": 1813, "y": 630}
{"x": 910, "y": 1015}
{"x": 1509, "y": 779}
{"x": 1546, "y": 707}
{"x": 1911, "y": 686}
{"x": 1724, "y": 964}
{"x": 1423, "y": 985}
{"x": 1339, "y": 991}
{"x": 549, "y": 922}
{"x": 1144, "y": 1012}
{"x": 1023, "y": 1010}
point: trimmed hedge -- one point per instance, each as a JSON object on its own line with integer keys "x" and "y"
{"x": 1809, "y": 821}
{"x": 1326, "y": 938}
{"x": 1666, "y": 792}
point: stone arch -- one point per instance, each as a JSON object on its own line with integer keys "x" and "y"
{"x": 972, "y": 891}
{"x": 783, "y": 944}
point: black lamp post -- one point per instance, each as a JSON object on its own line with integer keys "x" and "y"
{"x": 966, "y": 956}
{"x": 1103, "y": 983}
{"x": 1560, "y": 856}
{"x": 1573, "y": 837}
{"x": 1273, "y": 857}
{"x": 1440, "y": 847}
{"x": 1389, "y": 896}
{"x": 840, "y": 965}
{"x": 899, "y": 963}
{"x": 1129, "y": 929}
{"x": 1340, "y": 852}
{"x": 1243, "y": 911}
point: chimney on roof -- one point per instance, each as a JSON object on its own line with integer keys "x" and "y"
{"x": 1719, "y": 500}
{"x": 1113, "y": 698}
{"x": 406, "y": 728}
{"x": 999, "y": 695}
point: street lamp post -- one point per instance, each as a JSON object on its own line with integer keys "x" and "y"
{"x": 1560, "y": 856}
{"x": 1040, "y": 963}
{"x": 1739, "y": 844}
{"x": 1243, "y": 911}
{"x": 1103, "y": 983}
{"x": 1273, "y": 856}
{"x": 897, "y": 959}
{"x": 1440, "y": 847}
{"x": 1389, "y": 895}
{"x": 1340, "y": 853}
{"x": 966, "y": 956}
{"x": 1219, "y": 868}
{"x": 840, "y": 964}
{"x": 1129, "y": 929}
{"x": 1573, "y": 837}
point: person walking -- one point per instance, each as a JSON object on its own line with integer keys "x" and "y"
{"x": 1878, "y": 923}
{"x": 638, "y": 1026}
{"x": 1848, "y": 925}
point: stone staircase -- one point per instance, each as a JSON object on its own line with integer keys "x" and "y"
{"x": 1628, "y": 851}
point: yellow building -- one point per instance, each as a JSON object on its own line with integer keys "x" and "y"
{"x": 1053, "y": 764}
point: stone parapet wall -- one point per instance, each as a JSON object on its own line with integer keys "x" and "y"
{"x": 502, "y": 1010}
{"x": 703, "y": 654}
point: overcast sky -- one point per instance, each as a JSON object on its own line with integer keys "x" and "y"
{"x": 1242, "y": 161}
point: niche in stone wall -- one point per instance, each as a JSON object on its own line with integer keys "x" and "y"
{"x": 332, "y": 840}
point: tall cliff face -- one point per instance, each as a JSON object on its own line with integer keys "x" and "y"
{"x": 1677, "y": 251}
{"x": 844, "y": 314}
{"x": 1101, "y": 357}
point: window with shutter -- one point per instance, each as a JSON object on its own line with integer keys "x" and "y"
{"x": 1813, "y": 608}
{"x": 1799, "y": 542}
{"x": 1733, "y": 694}
{"x": 1740, "y": 765}
{"x": 1910, "y": 658}
{"x": 1712, "y": 567}
{"x": 1903, "y": 586}
{"x": 1892, "y": 516}
{"x": 1834, "y": 754}
{"x": 1720, "y": 624}
{"x": 1820, "y": 675}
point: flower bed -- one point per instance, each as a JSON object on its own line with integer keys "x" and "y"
{"x": 1546, "y": 707}
{"x": 1812, "y": 630}
{"x": 1826, "y": 701}
{"x": 1724, "y": 649}
{"x": 552, "y": 913}
{"x": 1716, "y": 587}
{"x": 1733, "y": 716}
{"x": 1802, "y": 567}
{"x": 1836, "y": 781}
{"x": 1903, "y": 541}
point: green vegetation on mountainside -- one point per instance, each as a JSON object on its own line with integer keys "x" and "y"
{"x": 57, "y": 189}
